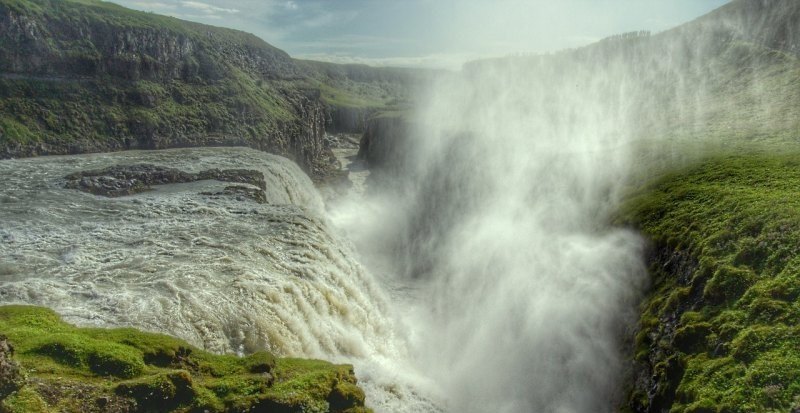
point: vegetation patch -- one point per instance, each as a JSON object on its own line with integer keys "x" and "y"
{"x": 719, "y": 331}
{"x": 66, "y": 368}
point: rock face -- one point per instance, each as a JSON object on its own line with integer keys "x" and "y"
{"x": 11, "y": 378}
{"x": 384, "y": 144}
{"x": 658, "y": 370}
{"x": 122, "y": 180}
{"x": 110, "y": 40}
{"x": 346, "y": 119}
{"x": 91, "y": 76}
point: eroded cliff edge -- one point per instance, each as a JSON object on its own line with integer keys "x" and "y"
{"x": 91, "y": 76}
{"x": 718, "y": 331}
{"x": 48, "y": 365}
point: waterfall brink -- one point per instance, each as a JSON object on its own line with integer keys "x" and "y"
{"x": 226, "y": 274}
{"x": 495, "y": 281}
{"x": 498, "y": 220}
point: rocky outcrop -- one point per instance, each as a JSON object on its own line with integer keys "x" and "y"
{"x": 657, "y": 365}
{"x": 346, "y": 119}
{"x": 11, "y": 378}
{"x": 122, "y": 180}
{"x": 384, "y": 144}
{"x": 240, "y": 193}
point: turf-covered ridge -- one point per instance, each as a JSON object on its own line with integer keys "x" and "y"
{"x": 719, "y": 331}
{"x": 51, "y": 366}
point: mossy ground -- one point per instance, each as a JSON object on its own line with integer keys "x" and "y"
{"x": 70, "y": 369}
{"x": 735, "y": 339}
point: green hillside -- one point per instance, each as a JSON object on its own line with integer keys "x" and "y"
{"x": 718, "y": 328}
{"x": 52, "y": 366}
{"x": 88, "y": 76}
{"x": 719, "y": 331}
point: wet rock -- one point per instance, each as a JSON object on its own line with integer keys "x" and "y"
{"x": 385, "y": 142}
{"x": 244, "y": 176}
{"x": 123, "y": 180}
{"x": 240, "y": 193}
{"x": 11, "y": 378}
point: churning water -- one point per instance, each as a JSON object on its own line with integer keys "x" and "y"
{"x": 495, "y": 283}
{"x": 518, "y": 295}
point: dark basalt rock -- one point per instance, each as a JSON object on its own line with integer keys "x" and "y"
{"x": 385, "y": 143}
{"x": 116, "y": 181}
{"x": 239, "y": 192}
{"x": 11, "y": 378}
{"x": 244, "y": 176}
{"x": 122, "y": 180}
{"x": 656, "y": 377}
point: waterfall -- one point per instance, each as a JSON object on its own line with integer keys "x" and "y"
{"x": 226, "y": 275}
{"x": 480, "y": 274}
{"x": 494, "y": 229}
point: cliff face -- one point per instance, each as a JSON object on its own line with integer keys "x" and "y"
{"x": 349, "y": 119}
{"x": 93, "y": 76}
{"x": 91, "y": 39}
{"x": 384, "y": 144}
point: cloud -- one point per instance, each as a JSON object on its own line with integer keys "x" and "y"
{"x": 154, "y": 5}
{"x": 433, "y": 61}
{"x": 207, "y": 8}
{"x": 437, "y": 32}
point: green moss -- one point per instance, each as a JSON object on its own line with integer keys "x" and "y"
{"x": 307, "y": 382}
{"x": 101, "y": 357}
{"x": 728, "y": 283}
{"x": 160, "y": 392}
{"x": 738, "y": 218}
{"x": 158, "y": 372}
{"x": 26, "y": 400}
{"x": 11, "y": 130}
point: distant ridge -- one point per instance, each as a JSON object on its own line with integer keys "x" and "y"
{"x": 770, "y": 23}
{"x": 81, "y": 76}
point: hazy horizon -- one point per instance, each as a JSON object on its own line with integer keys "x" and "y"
{"x": 424, "y": 33}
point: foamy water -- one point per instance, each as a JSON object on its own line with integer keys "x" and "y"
{"x": 227, "y": 275}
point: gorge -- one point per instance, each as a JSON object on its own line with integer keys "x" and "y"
{"x": 601, "y": 229}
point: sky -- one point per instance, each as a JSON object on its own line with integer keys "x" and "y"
{"x": 429, "y": 33}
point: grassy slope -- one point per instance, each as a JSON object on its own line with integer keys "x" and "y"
{"x": 718, "y": 331}
{"x": 361, "y": 86}
{"x": 87, "y": 98}
{"x": 737, "y": 338}
{"x": 74, "y": 105}
{"x": 747, "y": 93}
{"x": 73, "y": 369}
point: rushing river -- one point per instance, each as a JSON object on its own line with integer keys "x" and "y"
{"x": 226, "y": 274}
{"x": 481, "y": 275}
